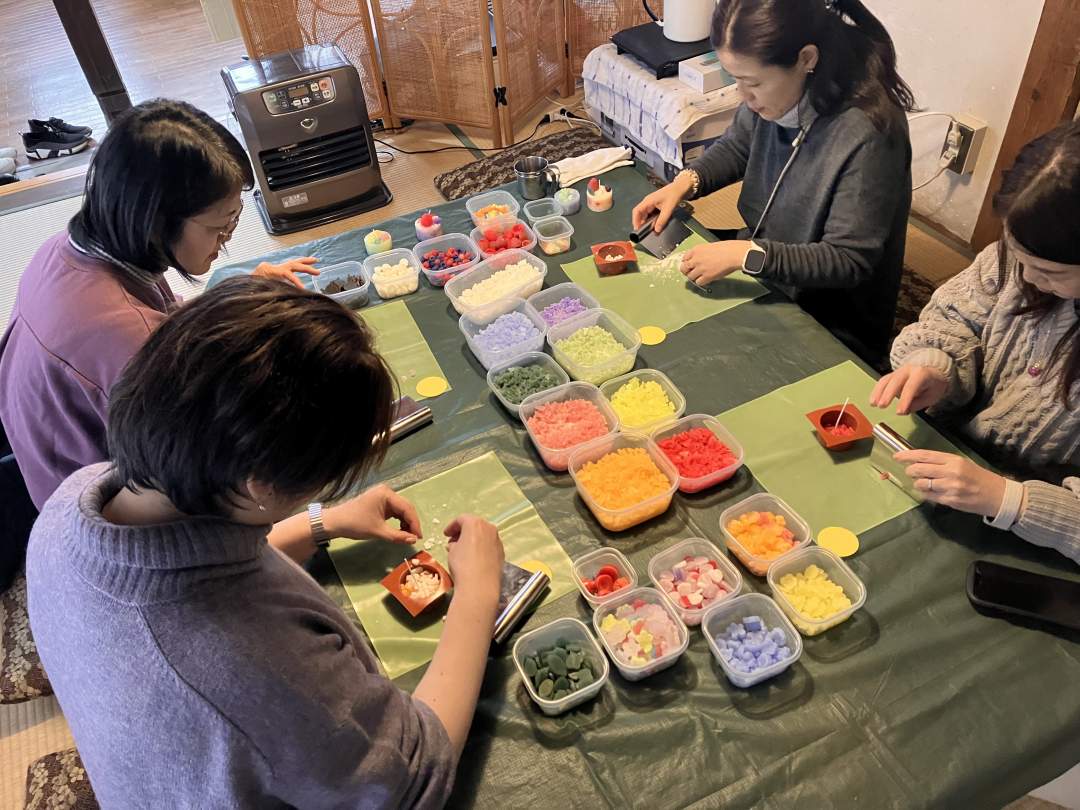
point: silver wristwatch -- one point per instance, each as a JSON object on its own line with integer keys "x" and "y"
{"x": 318, "y": 531}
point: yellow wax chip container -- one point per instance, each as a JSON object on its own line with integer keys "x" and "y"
{"x": 815, "y": 589}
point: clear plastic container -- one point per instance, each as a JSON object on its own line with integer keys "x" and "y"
{"x": 606, "y": 369}
{"x": 528, "y": 359}
{"x": 617, "y": 520}
{"x": 763, "y": 502}
{"x": 694, "y": 547}
{"x": 474, "y": 204}
{"x": 553, "y": 295}
{"x": 486, "y": 269}
{"x": 554, "y": 235}
{"x": 651, "y": 595}
{"x": 609, "y": 388}
{"x": 342, "y": 271}
{"x": 586, "y": 566}
{"x": 575, "y": 632}
{"x": 471, "y": 326}
{"x": 476, "y": 234}
{"x": 542, "y": 209}
{"x": 387, "y": 291}
{"x": 558, "y": 459}
{"x": 700, "y": 420}
{"x": 718, "y": 617}
{"x": 835, "y": 569}
{"x": 568, "y": 200}
{"x": 437, "y": 278}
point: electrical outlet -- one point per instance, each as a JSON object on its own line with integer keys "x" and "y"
{"x": 972, "y": 133}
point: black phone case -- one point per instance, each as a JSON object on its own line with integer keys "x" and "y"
{"x": 1004, "y": 611}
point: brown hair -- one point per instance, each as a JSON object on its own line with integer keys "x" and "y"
{"x": 1039, "y": 204}
{"x": 857, "y": 62}
{"x": 253, "y": 379}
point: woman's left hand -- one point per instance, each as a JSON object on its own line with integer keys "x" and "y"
{"x": 704, "y": 264}
{"x": 954, "y": 481}
{"x": 287, "y": 270}
{"x": 365, "y": 516}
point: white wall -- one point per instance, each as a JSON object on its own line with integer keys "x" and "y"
{"x": 959, "y": 56}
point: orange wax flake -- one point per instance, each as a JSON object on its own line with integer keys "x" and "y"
{"x": 623, "y": 478}
{"x": 568, "y": 423}
{"x": 762, "y": 534}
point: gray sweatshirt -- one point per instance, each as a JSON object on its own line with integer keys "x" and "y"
{"x": 198, "y": 667}
{"x": 834, "y": 237}
{"x": 970, "y": 333}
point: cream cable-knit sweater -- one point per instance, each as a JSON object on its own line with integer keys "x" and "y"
{"x": 969, "y": 333}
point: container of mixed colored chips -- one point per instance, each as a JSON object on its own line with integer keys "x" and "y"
{"x": 693, "y": 576}
{"x": 702, "y": 450}
{"x": 603, "y": 574}
{"x": 561, "y": 665}
{"x": 624, "y": 479}
{"x": 641, "y": 633}
{"x": 595, "y": 346}
{"x": 562, "y": 419}
{"x": 816, "y": 589}
{"x": 751, "y": 639}
{"x": 446, "y": 256}
{"x": 492, "y": 207}
{"x": 762, "y": 529}
{"x": 515, "y": 381}
{"x": 644, "y": 398}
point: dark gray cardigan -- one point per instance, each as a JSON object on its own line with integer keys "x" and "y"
{"x": 834, "y": 236}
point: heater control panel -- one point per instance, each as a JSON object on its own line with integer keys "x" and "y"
{"x": 299, "y": 95}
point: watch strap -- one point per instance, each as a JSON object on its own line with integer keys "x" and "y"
{"x": 318, "y": 531}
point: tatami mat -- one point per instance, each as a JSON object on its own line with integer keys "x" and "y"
{"x": 27, "y": 731}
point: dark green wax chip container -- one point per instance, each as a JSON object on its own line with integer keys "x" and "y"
{"x": 561, "y": 665}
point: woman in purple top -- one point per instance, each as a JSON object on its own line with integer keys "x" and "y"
{"x": 197, "y": 665}
{"x": 163, "y": 190}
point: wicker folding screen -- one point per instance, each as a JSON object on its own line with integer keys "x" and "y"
{"x": 269, "y": 26}
{"x": 591, "y": 23}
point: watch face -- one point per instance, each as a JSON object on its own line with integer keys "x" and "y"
{"x": 755, "y": 261}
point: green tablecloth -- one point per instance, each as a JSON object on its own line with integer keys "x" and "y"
{"x": 917, "y": 701}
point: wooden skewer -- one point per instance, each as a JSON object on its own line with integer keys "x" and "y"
{"x": 842, "y": 409}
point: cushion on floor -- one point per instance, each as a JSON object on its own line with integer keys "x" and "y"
{"x": 59, "y": 782}
{"x": 21, "y": 675}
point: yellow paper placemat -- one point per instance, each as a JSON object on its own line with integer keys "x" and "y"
{"x": 482, "y": 487}
{"x": 825, "y": 488}
{"x": 400, "y": 341}
{"x": 658, "y": 295}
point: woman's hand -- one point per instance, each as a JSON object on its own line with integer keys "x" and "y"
{"x": 918, "y": 388}
{"x": 704, "y": 264}
{"x": 287, "y": 270}
{"x": 665, "y": 200}
{"x": 954, "y": 481}
{"x": 365, "y": 516}
{"x": 476, "y": 557}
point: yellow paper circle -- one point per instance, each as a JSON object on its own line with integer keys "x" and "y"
{"x": 840, "y": 541}
{"x": 651, "y": 335}
{"x": 432, "y": 386}
{"x": 536, "y": 565}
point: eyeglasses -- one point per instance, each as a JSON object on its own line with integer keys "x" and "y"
{"x": 225, "y": 234}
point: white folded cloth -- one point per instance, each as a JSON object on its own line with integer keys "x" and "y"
{"x": 7, "y": 152}
{"x": 592, "y": 164}
{"x": 7, "y": 165}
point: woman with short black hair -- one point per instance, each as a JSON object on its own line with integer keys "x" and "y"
{"x": 163, "y": 190}
{"x": 198, "y": 666}
{"x": 821, "y": 146}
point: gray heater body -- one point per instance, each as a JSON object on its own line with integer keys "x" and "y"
{"x": 305, "y": 124}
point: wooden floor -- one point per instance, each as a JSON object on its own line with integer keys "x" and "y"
{"x": 162, "y": 48}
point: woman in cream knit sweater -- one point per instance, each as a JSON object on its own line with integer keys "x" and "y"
{"x": 998, "y": 347}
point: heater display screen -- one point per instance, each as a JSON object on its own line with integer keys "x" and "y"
{"x": 300, "y": 95}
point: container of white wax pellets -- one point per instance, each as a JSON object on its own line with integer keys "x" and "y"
{"x": 393, "y": 273}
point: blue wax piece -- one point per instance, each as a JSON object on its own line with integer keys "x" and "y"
{"x": 753, "y": 623}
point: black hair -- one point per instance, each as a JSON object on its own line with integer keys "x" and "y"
{"x": 254, "y": 379}
{"x": 857, "y": 59}
{"x": 161, "y": 162}
{"x": 1039, "y": 205}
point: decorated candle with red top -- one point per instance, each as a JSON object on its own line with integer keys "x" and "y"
{"x": 598, "y": 195}
{"x": 428, "y": 226}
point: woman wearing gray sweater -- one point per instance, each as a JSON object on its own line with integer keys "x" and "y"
{"x": 999, "y": 347}
{"x": 821, "y": 145}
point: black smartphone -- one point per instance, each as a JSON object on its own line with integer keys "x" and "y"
{"x": 1001, "y": 589}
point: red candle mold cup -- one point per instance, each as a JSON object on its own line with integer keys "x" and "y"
{"x": 395, "y": 583}
{"x": 836, "y": 434}
{"x": 605, "y": 256}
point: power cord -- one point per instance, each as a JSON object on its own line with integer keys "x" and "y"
{"x": 545, "y": 120}
{"x": 952, "y": 148}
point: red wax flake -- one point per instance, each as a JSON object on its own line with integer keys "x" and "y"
{"x": 697, "y": 452}
{"x": 607, "y": 581}
{"x": 840, "y": 429}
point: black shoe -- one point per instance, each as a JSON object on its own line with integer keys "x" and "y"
{"x": 59, "y": 126}
{"x": 41, "y": 145}
{"x": 8, "y": 178}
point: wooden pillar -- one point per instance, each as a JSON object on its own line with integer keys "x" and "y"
{"x": 96, "y": 60}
